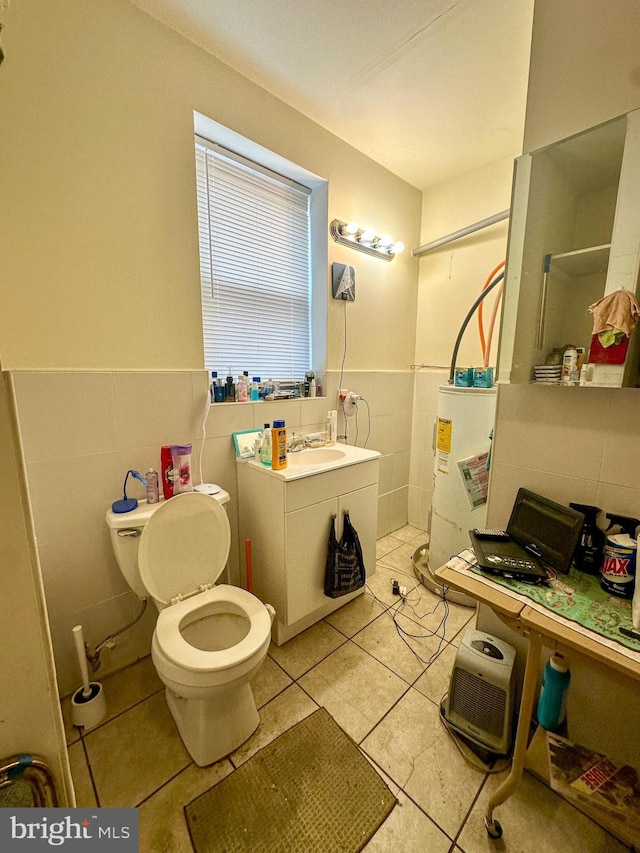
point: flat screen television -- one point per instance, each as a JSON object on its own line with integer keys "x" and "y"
{"x": 545, "y": 528}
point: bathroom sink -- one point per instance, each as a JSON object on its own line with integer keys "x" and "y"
{"x": 319, "y": 456}
{"x": 315, "y": 460}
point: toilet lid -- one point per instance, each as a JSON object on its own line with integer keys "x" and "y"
{"x": 184, "y": 545}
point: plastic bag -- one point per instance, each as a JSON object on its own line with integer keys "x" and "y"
{"x": 344, "y": 571}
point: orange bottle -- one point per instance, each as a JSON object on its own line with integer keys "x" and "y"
{"x": 279, "y": 446}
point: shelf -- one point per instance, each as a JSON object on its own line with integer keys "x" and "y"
{"x": 594, "y": 259}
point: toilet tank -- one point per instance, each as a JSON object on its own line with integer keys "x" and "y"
{"x": 125, "y": 529}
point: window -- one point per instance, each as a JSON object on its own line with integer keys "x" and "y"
{"x": 254, "y": 231}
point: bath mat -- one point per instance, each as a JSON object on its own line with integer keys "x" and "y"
{"x": 309, "y": 790}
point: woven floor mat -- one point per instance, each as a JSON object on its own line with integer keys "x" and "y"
{"x": 309, "y": 790}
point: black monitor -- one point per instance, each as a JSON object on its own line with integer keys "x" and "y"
{"x": 545, "y": 528}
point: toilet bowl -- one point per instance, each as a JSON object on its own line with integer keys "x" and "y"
{"x": 209, "y": 641}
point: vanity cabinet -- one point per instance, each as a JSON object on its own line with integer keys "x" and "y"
{"x": 288, "y": 523}
{"x": 574, "y": 238}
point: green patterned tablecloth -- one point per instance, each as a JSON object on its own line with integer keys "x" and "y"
{"x": 579, "y": 598}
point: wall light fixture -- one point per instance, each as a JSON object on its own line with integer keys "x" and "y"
{"x": 365, "y": 239}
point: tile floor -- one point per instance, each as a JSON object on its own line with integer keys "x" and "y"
{"x": 355, "y": 664}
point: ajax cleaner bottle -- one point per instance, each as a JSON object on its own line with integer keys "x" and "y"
{"x": 619, "y": 564}
{"x": 553, "y": 696}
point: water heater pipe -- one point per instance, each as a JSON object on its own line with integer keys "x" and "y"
{"x": 465, "y": 322}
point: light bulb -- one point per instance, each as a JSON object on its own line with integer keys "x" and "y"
{"x": 397, "y": 248}
{"x": 367, "y": 236}
{"x": 385, "y": 241}
{"x": 350, "y": 228}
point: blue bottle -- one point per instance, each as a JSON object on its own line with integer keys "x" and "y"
{"x": 552, "y": 702}
{"x": 255, "y": 389}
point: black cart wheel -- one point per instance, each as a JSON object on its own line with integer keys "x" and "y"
{"x": 493, "y": 827}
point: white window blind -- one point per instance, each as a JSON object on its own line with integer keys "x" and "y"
{"x": 254, "y": 267}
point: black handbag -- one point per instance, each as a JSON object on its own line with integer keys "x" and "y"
{"x": 344, "y": 571}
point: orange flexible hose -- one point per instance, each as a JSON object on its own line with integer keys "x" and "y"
{"x": 483, "y": 345}
{"x": 494, "y": 313}
{"x": 247, "y": 555}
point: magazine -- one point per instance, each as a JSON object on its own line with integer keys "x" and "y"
{"x": 593, "y": 780}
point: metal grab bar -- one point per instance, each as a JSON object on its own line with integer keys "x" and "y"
{"x": 33, "y": 770}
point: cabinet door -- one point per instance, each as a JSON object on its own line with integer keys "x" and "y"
{"x": 307, "y": 534}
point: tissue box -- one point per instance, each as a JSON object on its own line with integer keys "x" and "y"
{"x": 463, "y": 376}
{"x": 483, "y": 377}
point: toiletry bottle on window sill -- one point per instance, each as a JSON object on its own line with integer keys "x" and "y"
{"x": 242, "y": 392}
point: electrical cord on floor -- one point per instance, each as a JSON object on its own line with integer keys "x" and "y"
{"x": 395, "y": 609}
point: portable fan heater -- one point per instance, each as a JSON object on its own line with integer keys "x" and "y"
{"x": 479, "y": 705}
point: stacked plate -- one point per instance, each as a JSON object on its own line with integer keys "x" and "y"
{"x": 548, "y": 374}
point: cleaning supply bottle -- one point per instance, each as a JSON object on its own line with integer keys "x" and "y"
{"x": 552, "y": 702}
{"x": 588, "y": 553}
{"x": 255, "y": 389}
{"x": 619, "y": 564}
{"x": 570, "y": 374}
{"x": 265, "y": 446}
{"x": 635, "y": 602}
{"x": 279, "y": 442}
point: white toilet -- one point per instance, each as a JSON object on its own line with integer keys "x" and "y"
{"x": 209, "y": 640}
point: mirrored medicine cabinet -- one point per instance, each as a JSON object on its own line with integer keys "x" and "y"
{"x": 574, "y": 238}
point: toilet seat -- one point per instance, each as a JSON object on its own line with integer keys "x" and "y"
{"x": 229, "y": 599}
{"x": 184, "y": 546}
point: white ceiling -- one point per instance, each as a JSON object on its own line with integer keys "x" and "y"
{"x": 428, "y": 88}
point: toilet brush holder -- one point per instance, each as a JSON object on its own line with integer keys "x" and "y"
{"x": 88, "y": 710}
{"x": 88, "y": 705}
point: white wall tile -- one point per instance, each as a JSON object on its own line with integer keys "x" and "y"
{"x": 154, "y": 408}
{"x": 65, "y": 414}
{"x": 554, "y": 429}
{"x": 79, "y": 572}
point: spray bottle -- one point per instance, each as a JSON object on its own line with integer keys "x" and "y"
{"x": 619, "y": 564}
{"x": 588, "y": 554}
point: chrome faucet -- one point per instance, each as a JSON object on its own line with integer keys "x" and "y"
{"x": 297, "y": 443}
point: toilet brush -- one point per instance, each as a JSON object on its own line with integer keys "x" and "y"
{"x": 88, "y": 705}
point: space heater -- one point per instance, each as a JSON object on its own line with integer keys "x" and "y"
{"x": 479, "y": 705}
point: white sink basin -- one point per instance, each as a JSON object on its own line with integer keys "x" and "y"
{"x": 316, "y": 460}
{"x": 311, "y": 456}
